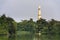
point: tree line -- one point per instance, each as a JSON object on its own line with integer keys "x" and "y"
{"x": 9, "y": 26}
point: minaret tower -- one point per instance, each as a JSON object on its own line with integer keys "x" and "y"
{"x": 39, "y": 13}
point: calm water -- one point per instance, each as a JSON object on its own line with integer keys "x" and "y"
{"x": 31, "y": 37}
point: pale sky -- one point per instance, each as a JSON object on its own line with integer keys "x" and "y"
{"x": 26, "y": 9}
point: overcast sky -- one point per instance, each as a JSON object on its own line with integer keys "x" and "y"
{"x": 26, "y": 9}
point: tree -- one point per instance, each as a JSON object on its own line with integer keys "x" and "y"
{"x": 3, "y": 24}
{"x": 42, "y": 25}
{"x": 7, "y": 24}
{"x": 27, "y": 25}
{"x": 11, "y": 26}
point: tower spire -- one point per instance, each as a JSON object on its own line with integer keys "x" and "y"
{"x": 39, "y": 12}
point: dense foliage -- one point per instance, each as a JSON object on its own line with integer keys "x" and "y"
{"x": 9, "y": 26}
{"x": 43, "y": 26}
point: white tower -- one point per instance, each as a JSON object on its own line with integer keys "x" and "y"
{"x": 39, "y": 13}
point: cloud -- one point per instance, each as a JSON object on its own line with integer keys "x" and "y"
{"x": 50, "y": 9}
{"x": 25, "y": 9}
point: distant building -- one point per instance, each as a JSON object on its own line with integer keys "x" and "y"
{"x": 39, "y": 13}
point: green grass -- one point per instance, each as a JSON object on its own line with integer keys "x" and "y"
{"x": 23, "y": 32}
{"x": 3, "y": 38}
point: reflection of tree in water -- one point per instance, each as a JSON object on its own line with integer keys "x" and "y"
{"x": 25, "y": 37}
{"x": 37, "y": 37}
{"x": 12, "y": 37}
{"x": 47, "y": 37}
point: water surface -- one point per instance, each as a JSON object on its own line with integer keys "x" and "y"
{"x": 31, "y": 37}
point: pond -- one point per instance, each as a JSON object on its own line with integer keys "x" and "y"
{"x": 31, "y": 37}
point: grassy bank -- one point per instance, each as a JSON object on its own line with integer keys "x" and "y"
{"x": 23, "y": 32}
